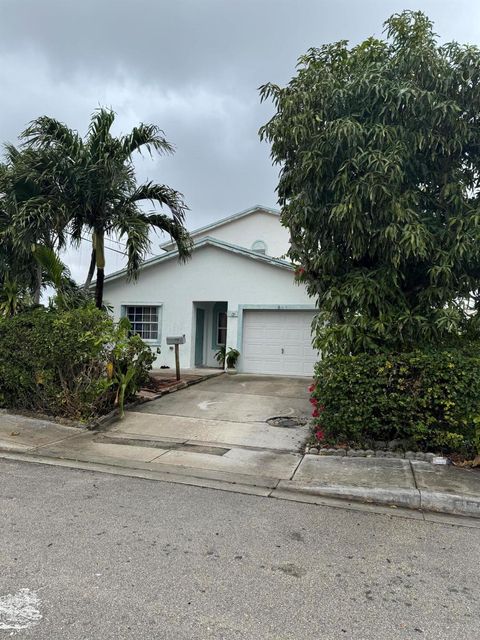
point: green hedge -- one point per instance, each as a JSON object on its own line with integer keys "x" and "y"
{"x": 424, "y": 399}
{"x": 71, "y": 363}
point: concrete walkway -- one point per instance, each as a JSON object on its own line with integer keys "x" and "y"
{"x": 215, "y": 434}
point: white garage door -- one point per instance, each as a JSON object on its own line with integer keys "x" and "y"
{"x": 278, "y": 342}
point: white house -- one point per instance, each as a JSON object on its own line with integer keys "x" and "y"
{"x": 236, "y": 290}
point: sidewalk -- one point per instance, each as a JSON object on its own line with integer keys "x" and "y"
{"x": 414, "y": 485}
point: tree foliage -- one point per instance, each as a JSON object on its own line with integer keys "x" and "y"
{"x": 93, "y": 180}
{"x": 379, "y": 147}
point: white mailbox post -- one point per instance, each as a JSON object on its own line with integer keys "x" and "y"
{"x": 176, "y": 340}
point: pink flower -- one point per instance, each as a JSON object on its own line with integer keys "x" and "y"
{"x": 311, "y": 388}
{"x": 314, "y": 401}
{"x": 315, "y": 413}
{"x": 320, "y": 435}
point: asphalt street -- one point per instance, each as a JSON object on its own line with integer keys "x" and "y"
{"x": 92, "y": 556}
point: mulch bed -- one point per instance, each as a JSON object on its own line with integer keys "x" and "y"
{"x": 158, "y": 383}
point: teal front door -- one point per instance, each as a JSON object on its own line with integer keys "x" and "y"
{"x": 199, "y": 333}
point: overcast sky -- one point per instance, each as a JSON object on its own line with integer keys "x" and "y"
{"x": 193, "y": 67}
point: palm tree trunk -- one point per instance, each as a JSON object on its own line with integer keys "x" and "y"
{"x": 91, "y": 269}
{"x": 100, "y": 262}
{"x": 99, "y": 287}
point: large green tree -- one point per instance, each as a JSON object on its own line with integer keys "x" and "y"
{"x": 379, "y": 147}
{"x": 93, "y": 180}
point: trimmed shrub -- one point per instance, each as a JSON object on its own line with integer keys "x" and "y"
{"x": 424, "y": 399}
{"x": 69, "y": 363}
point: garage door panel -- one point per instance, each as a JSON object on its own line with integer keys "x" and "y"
{"x": 278, "y": 342}
{"x": 262, "y": 351}
{"x": 265, "y": 334}
{"x": 264, "y": 365}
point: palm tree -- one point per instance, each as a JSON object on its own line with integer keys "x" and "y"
{"x": 94, "y": 181}
{"x": 28, "y": 216}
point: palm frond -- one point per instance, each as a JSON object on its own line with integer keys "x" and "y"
{"x": 100, "y": 123}
{"x": 147, "y": 136}
{"x": 136, "y": 230}
{"x": 56, "y": 271}
{"x": 11, "y": 152}
{"x": 176, "y": 230}
{"x": 162, "y": 195}
{"x": 45, "y": 132}
{"x": 99, "y": 136}
{"x": 75, "y": 230}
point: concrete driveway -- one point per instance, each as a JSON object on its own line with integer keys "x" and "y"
{"x": 220, "y": 425}
{"x": 236, "y": 398}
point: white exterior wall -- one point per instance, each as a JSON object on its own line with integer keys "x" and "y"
{"x": 211, "y": 275}
{"x": 257, "y": 226}
{"x": 243, "y": 232}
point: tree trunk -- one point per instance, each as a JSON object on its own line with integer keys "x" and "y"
{"x": 99, "y": 287}
{"x": 91, "y": 269}
{"x": 98, "y": 240}
{"x": 38, "y": 285}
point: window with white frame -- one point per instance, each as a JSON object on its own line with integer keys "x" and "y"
{"x": 222, "y": 328}
{"x": 144, "y": 321}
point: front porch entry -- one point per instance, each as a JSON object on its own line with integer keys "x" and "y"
{"x": 210, "y": 331}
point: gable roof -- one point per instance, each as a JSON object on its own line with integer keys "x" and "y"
{"x": 203, "y": 242}
{"x": 219, "y": 223}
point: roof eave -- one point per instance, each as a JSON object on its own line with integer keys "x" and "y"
{"x": 223, "y": 221}
{"x": 210, "y": 241}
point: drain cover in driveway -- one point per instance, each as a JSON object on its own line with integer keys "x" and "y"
{"x": 287, "y": 422}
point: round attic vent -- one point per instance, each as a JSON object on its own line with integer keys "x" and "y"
{"x": 259, "y": 246}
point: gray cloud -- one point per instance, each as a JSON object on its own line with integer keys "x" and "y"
{"x": 191, "y": 66}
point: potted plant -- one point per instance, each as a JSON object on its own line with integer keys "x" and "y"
{"x": 229, "y": 356}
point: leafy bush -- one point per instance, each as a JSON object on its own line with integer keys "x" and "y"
{"x": 77, "y": 364}
{"x": 425, "y": 399}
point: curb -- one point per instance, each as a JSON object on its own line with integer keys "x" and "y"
{"x": 407, "y": 498}
{"x": 415, "y": 500}
{"x": 451, "y": 503}
{"x": 418, "y": 499}
{"x": 215, "y": 481}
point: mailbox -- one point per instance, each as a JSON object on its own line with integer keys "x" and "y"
{"x": 176, "y": 340}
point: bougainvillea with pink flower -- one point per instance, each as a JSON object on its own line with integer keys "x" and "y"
{"x": 319, "y": 433}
